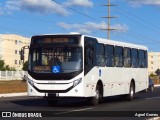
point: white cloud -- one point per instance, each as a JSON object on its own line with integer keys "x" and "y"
{"x": 90, "y": 27}
{"x": 37, "y": 6}
{"x": 120, "y": 27}
{"x": 144, "y": 2}
{"x": 84, "y": 31}
{"x": 82, "y": 3}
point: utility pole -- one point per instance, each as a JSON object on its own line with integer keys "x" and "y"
{"x": 108, "y": 17}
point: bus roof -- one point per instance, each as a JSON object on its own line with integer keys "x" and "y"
{"x": 118, "y": 43}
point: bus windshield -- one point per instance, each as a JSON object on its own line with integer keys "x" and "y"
{"x": 55, "y": 59}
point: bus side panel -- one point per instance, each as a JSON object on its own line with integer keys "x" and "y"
{"x": 116, "y": 81}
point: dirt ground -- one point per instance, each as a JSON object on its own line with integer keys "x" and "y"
{"x": 13, "y": 86}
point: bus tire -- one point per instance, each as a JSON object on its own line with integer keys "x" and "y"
{"x": 52, "y": 102}
{"x": 130, "y": 96}
{"x": 95, "y": 100}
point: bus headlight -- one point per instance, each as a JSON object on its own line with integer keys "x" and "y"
{"x": 76, "y": 82}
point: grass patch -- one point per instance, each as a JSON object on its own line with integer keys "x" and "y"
{"x": 13, "y": 86}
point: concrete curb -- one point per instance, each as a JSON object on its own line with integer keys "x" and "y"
{"x": 156, "y": 85}
{"x": 13, "y": 94}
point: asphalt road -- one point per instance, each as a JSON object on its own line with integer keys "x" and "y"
{"x": 146, "y": 105}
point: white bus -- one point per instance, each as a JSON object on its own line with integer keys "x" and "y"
{"x": 75, "y": 65}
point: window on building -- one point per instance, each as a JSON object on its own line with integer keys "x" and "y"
{"x": 151, "y": 62}
{"x": 15, "y": 62}
{"x": 16, "y": 51}
{"x": 19, "y": 62}
{"x": 16, "y": 42}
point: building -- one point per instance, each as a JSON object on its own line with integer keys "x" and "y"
{"x": 153, "y": 62}
{"x": 10, "y": 46}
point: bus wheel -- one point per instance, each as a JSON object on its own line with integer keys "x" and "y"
{"x": 95, "y": 100}
{"x": 52, "y": 102}
{"x": 130, "y": 96}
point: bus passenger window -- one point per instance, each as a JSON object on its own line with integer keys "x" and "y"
{"x": 134, "y": 58}
{"x": 118, "y": 56}
{"x": 100, "y": 55}
{"x": 146, "y": 59}
{"x": 109, "y": 55}
{"x": 89, "y": 54}
{"x": 141, "y": 57}
{"x": 127, "y": 57}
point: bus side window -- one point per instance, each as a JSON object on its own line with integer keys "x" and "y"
{"x": 119, "y": 56}
{"x": 89, "y": 54}
{"x": 134, "y": 58}
{"x": 100, "y": 55}
{"x": 141, "y": 57}
{"x": 109, "y": 55}
{"x": 127, "y": 57}
{"x": 146, "y": 59}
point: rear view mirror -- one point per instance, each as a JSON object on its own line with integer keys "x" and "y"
{"x": 22, "y": 52}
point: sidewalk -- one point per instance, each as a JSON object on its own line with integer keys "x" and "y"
{"x": 13, "y": 94}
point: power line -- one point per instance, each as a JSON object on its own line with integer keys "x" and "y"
{"x": 144, "y": 23}
{"x": 139, "y": 20}
{"x": 90, "y": 17}
{"x": 28, "y": 19}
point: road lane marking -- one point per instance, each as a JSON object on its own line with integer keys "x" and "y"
{"x": 74, "y": 111}
{"x": 153, "y": 98}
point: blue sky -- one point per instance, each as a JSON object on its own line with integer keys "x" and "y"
{"x": 137, "y": 20}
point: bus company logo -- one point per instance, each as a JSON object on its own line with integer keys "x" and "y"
{"x": 56, "y": 69}
{"x": 20, "y": 115}
{"x": 6, "y": 114}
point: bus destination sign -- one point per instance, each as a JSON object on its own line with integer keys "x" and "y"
{"x": 56, "y": 40}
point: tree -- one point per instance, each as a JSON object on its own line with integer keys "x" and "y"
{"x": 7, "y": 67}
{"x": 2, "y": 64}
{"x": 25, "y": 66}
{"x": 4, "y": 67}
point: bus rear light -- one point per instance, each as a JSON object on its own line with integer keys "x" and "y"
{"x": 76, "y": 82}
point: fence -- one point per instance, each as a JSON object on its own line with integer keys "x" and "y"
{"x": 12, "y": 75}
